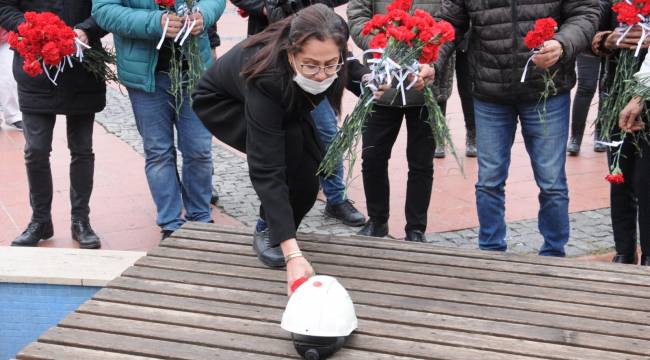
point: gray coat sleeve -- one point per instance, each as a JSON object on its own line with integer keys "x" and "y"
{"x": 579, "y": 24}
{"x": 359, "y": 13}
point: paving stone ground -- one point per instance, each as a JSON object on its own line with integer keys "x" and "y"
{"x": 591, "y": 231}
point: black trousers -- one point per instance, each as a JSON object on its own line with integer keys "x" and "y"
{"x": 630, "y": 201}
{"x": 588, "y": 78}
{"x": 38, "y": 129}
{"x": 465, "y": 90}
{"x": 379, "y": 136}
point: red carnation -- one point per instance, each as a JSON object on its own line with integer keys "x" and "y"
{"x": 404, "y": 5}
{"x": 543, "y": 31}
{"x": 626, "y": 13}
{"x": 166, "y": 3}
{"x": 32, "y": 67}
{"x": 242, "y": 12}
{"x": 50, "y": 53}
{"x": 615, "y": 178}
{"x": 378, "y": 41}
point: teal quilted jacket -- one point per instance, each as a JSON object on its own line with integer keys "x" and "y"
{"x": 136, "y": 29}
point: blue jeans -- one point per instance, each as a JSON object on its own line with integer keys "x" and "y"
{"x": 156, "y": 119}
{"x": 325, "y": 121}
{"x": 496, "y": 125}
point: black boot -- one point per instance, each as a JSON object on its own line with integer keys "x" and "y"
{"x": 645, "y": 260}
{"x": 470, "y": 144}
{"x": 84, "y": 234}
{"x": 574, "y": 146}
{"x": 346, "y": 213}
{"x": 415, "y": 236}
{"x": 34, "y": 233}
{"x": 598, "y": 147}
{"x": 374, "y": 228}
{"x": 624, "y": 259}
{"x": 166, "y": 234}
{"x": 270, "y": 256}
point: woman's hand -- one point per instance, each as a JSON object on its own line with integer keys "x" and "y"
{"x": 198, "y": 27}
{"x": 174, "y": 26}
{"x": 629, "y": 119}
{"x": 81, "y": 35}
{"x": 297, "y": 268}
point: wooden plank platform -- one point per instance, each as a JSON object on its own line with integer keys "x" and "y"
{"x": 202, "y": 294}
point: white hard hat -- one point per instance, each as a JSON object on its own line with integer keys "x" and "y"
{"x": 320, "y": 307}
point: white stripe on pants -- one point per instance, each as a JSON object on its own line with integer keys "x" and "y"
{"x": 9, "y": 110}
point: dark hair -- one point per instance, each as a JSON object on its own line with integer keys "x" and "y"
{"x": 287, "y": 36}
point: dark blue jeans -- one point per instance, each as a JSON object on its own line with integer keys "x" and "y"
{"x": 156, "y": 120}
{"x": 496, "y": 125}
{"x": 325, "y": 121}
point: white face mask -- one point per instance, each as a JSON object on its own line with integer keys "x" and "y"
{"x": 312, "y": 86}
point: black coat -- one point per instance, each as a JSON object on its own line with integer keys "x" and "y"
{"x": 78, "y": 91}
{"x": 497, "y": 52}
{"x": 276, "y": 10}
{"x": 274, "y": 131}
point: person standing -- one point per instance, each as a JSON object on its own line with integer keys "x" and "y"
{"x": 500, "y": 99}
{"x": 382, "y": 129}
{"x": 137, "y": 27}
{"x": 630, "y": 200}
{"x": 9, "y": 110}
{"x": 78, "y": 96}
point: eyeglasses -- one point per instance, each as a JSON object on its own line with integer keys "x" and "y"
{"x": 309, "y": 69}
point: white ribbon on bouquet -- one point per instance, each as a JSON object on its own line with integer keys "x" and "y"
{"x": 523, "y": 76}
{"x": 186, "y": 29}
{"x": 384, "y": 70}
{"x": 79, "y": 54}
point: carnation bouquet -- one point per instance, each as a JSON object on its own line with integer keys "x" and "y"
{"x": 402, "y": 40}
{"x": 543, "y": 31}
{"x": 48, "y": 45}
{"x": 630, "y": 14}
{"x": 186, "y": 65}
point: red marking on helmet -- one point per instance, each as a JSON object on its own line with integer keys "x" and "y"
{"x": 297, "y": 283}
{"x": 318, "y": 284}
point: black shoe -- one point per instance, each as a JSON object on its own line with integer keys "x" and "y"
{"x": 439, "y": 153}
{"x": 346, "y": 213}
{"x": 34, "y": 233}
{"x": 18, "y": 125}
{"x": 374, "y": 228}
{"x": 85, "y": 235}
{"x": 270, "y": 256}
{"x": 574, "y": 146}
{"x": 645, "y": 260}
{"x": 415, "y": 236}
{"x": 166, "y": 234}
{"x": 624, "y": 259}
{"x": 214, "y": 199}
{"x": 470, "y": 144}
{"x": 598, "y": 147}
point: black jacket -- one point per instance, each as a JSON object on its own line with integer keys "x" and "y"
{"x": 256, "y": 19}
{"x": 78, "y": 91}
{"x": 276, "y": 10}
{"x": 497, "y": 52}
{"x": 257, "y": 118}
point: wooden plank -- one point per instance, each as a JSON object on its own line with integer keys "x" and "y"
{"x": 390, "y": 316}
{"x": 272, "y": 342}
{"x": 345, "y": 247}
{"x": 403, "y": 277}
{"x": 427, "y": 248}
{"x": 398, "y": 303}
{"x": 43, "y": 351}
{"x": 204, "y": 274}
{"x": 234, "y": 254}
{"x": 366, "y": 327}
{"x": 142, "y": 346}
